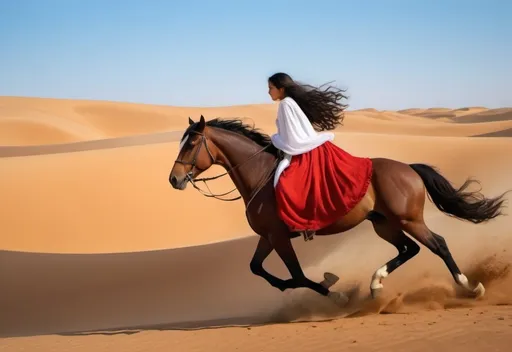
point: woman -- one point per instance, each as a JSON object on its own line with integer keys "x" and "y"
{"x": 316, "y": 182}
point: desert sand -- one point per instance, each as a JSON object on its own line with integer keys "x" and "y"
{"x": 98, "y": 252}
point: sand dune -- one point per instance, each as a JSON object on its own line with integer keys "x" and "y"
{"x": 95, "y": 242}
{"x": 503, "y": 133}
{"x": 98, "y": 119}
{"x": 486, "y": 116}
{"x": 37, "y": 121}
{"x": 100, "y": 144}
{"x": 462, "y": 115}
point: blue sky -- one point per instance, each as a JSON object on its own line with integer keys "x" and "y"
{"x": 388, "y": 54}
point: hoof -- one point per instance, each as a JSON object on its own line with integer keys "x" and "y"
{"x": 329, "y": 280}
{"x": 338, "y": 298}
{"x": 376, "y": 292}
{"x": 479, "y": 290}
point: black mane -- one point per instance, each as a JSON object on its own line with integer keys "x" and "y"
{"x": 237, "y": 126}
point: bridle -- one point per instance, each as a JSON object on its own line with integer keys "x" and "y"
{"x": 216, "y": 196}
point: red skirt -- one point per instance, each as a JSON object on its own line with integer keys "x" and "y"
{"x": 320, "y": 186}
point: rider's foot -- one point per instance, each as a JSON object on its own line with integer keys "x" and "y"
{"x": 308, "y": 235}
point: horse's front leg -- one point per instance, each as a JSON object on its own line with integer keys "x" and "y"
{"x": 283, "y": 246}
{"x": 263, "y": 250}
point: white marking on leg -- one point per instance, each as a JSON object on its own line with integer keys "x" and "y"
{"x": 479, "y": 289}
{"x": 378, "y": 276}
{"x": 463, "y": 281}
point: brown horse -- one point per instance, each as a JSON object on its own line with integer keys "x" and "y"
{"x": 393, "y": 203}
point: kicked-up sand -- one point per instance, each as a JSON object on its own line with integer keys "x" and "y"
{"x": 98, "y": 252}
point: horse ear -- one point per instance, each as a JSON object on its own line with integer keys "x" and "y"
{"x": 190, "y": 121}
{"x": 202, "y": 124}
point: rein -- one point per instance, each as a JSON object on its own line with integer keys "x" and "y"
{"x": 216, "y": 196}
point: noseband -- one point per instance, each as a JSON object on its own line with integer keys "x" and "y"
{"x": 193, "y": 165}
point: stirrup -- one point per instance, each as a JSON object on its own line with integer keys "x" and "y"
{"x": 308, "y": 235}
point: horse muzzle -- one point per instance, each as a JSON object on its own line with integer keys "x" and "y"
{"x": 179, "y": 183}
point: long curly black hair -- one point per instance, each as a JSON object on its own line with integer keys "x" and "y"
{"x": 321, "y": 106}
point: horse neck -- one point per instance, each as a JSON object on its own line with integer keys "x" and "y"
{"x": 235, "y": 150}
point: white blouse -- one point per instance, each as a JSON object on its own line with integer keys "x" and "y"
{"x": 295, "y": 134}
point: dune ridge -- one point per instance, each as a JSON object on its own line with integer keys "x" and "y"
{"x": 37, "y": 121}
{"x": 97, "y": 249}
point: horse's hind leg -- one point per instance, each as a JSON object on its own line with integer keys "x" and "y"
{"x": 437, "y": 244}
{"x": 406, "y": 247}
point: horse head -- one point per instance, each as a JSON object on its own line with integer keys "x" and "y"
{"x": 226, "y": 142}
{"x": 195, "y": 155}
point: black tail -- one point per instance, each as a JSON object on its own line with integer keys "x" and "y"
{"x": 470, "y": 206}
